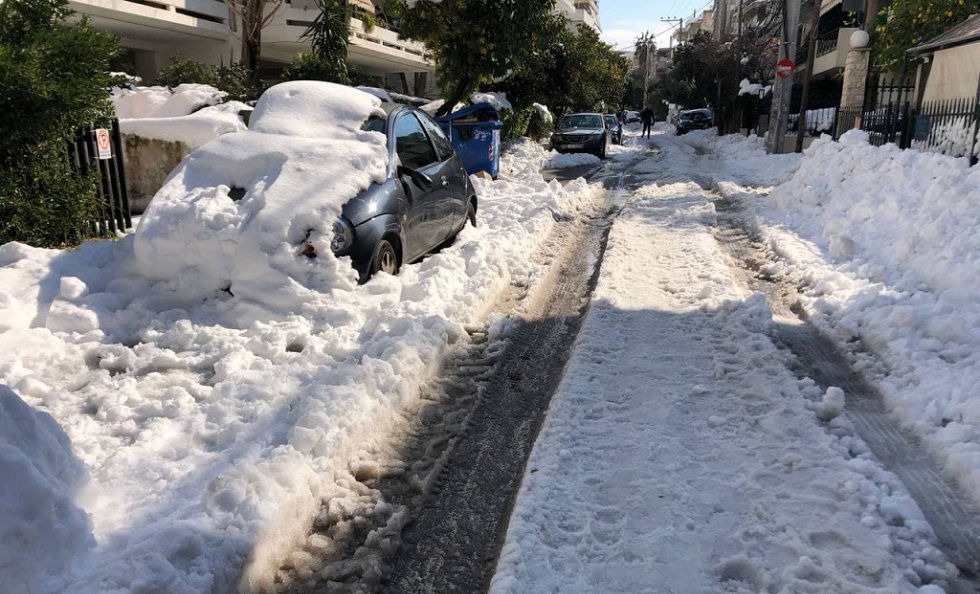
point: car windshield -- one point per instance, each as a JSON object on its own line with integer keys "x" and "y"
{"x": 611, "y": 120}
{"x": 581, "y": 121}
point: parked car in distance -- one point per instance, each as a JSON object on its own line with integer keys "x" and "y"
{"x": 632, "y": 117}
{"x": 424, "y": 203}
{"x": 612, "y": 122}
{"x": 582, "y": 133}
{"x": 694, "y": 119}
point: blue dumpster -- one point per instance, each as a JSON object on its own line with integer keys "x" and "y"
{"x": 475, "y": 134}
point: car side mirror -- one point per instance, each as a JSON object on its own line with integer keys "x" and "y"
{"x": 418, "y": 178}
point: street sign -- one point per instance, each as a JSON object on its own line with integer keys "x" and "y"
{"x": 785, "y": 68}
{"x": 102, "y": 141}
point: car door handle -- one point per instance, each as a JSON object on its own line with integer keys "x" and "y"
{"x": 445, "y": 181}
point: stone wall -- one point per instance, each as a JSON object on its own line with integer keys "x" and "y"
{"x": 148, "y": 162}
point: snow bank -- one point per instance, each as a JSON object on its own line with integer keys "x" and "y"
{"x": 161, "y": 102}
{"x": 213, "y": 422}
{"x": 42, "y": 530}
{"x": 191, "y": 114}
{"x": 886, "y": 248}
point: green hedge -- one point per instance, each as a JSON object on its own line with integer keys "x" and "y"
{"x": 234, "y": 79}
{"x": 54, "y": 79}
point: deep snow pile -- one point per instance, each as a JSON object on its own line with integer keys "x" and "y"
{"x": 211, "y": 391}
{"x": 189, "y": 113}
{"x": 884, "y": 242}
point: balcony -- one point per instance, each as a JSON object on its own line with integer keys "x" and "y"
{"x": 159, "y": 21}
{"x": 381, "y": 51}
{"x": 378, "y": 51}
{"x": 832, "y": 52}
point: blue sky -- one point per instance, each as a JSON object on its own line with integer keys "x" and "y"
{"x": 623, "y": 21}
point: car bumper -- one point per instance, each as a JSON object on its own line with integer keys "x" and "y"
{"x": 577, "y": 146}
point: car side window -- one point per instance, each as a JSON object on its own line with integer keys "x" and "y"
{"x": 412, "y": 144}
{"x": 443, "y": 146}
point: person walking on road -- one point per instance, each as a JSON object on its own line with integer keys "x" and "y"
{"x": 646, "y": 116}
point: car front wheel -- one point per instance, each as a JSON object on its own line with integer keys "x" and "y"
{"x": 471, "y": 213}
{"x": 385, "y": 258}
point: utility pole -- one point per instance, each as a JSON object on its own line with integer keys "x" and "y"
{"x": 645, "y": 44}
{"x": 740, "y": 20}
{"x": 670, "y": 40}
{"x": 783, "y": 89}
{"x": 808, "y": 75}
{"x": 721, "y": 20}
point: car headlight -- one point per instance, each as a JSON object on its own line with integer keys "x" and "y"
{"x": 343, "y": 236}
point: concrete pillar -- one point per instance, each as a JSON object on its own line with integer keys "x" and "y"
{"x": 855, "y": 78}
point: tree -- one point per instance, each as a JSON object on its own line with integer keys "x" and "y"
{"x": 328, "y": 36}
{"x": 908, "y": 23}
{"x": 570, "y": 71}
{"x": 474, "y": 42}
{"x": 253, "y": 16}
{"x": 592, "y": 74}
{"x": 706, "y": 73}
{"x": 54, "y": 77}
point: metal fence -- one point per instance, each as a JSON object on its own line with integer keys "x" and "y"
{"x": 947, "y": 127}
{"x": 88, "y": 152}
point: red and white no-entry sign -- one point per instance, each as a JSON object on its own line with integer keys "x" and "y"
{"x": 785, "y": 68}
{"x": 102, "y": 141}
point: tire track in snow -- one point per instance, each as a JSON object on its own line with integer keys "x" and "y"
{"x": 431, "y": 511}
{"x": 952, "y": 515}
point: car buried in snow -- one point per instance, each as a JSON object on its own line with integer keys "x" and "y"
{"x": 423, "y": 203}
{"x": 322, "y": 168}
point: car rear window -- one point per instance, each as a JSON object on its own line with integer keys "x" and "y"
{"x": 375, "y": 124}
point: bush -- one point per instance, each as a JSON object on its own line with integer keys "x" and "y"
{"x": 530, "y": 122}
{"x": 540, "y": 123}
{"x": 44, "y": 204}
{"x": 234, "y": 79}
{"x": 312, "y": 67}
{"x": 54, "y": 76}
{"x": 515, "y": 123}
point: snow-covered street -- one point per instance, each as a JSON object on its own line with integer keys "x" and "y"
{"x": 154, "y": 438}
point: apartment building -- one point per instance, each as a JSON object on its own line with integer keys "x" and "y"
{"x": 153, "y": 31}
{"x": 581, "y": 12}
{"x": 692, "y": 26}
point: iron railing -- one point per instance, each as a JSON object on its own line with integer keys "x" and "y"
{"x": 83, "y": 156}
{"x": 948, "y": 127}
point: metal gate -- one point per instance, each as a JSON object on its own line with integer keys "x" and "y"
{"x": 83, "y": 155}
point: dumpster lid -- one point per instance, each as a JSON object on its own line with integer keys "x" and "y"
{"x": 480, "y": 112}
